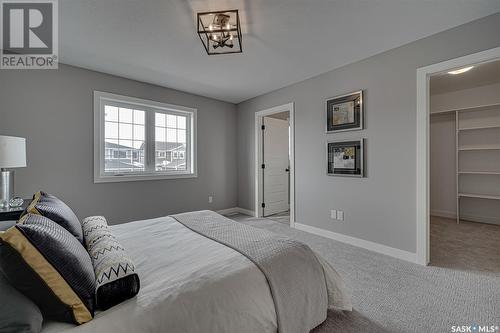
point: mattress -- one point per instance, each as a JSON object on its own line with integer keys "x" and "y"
{"x": 189, "y": 283}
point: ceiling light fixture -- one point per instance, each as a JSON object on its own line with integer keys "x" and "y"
{"x": 461, "y": 70}
{"x": 220, "y": 32}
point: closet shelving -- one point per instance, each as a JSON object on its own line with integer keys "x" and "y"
{"x": 477, "y": 153}
{"x": 477, "y": 145}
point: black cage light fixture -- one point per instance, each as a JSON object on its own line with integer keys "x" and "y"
{"x": 220, "y": 32}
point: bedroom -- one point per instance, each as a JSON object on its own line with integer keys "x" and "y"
{"x": 148, "y": 57}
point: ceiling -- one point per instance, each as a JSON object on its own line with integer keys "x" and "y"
{"x": 480, "y": 75}
{"x": 284, "y": 41}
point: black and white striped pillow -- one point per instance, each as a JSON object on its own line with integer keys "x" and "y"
{"x": 116, "y": 278}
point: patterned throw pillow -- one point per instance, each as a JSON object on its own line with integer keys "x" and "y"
{"x": 54, "y": 209}
{"x": 116, "y": 278}
{"x": 48, "y": 265}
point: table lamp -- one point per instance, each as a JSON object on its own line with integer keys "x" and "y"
{"x": 12, "y": 155}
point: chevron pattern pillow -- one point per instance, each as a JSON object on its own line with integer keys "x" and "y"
{"x": 116, "y": 279}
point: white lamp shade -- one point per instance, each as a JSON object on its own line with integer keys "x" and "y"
{"x": 12, "y": 152}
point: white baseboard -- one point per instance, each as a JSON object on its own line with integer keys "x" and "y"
{"x": 246, "y": 211}
{"x": 444, "y": 213}
{"x": 236, "y": 210}
{"x": 375, "y": 247}
{"x": 465, "y": 217}
{"x": 228, "y": 211}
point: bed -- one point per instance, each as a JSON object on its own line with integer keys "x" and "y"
{"x": 191, "y": 283}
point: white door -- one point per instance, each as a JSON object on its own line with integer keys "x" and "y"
{"x": 276, "y": 166}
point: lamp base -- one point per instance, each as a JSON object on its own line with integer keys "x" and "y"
{"x": 6, "y": 187}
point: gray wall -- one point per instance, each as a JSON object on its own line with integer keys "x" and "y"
{"x": 380, "y": 208}
{"x": 53, "y": 109}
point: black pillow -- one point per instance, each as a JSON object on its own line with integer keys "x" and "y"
{"x": 54, "y": 209}
{"x": 17, "y": 312}
{"x": 48, "y": 265}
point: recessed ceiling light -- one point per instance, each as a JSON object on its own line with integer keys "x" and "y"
{"x": 461, "y": 70}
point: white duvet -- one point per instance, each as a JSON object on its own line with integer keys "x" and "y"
{"x": 190, "y": 283}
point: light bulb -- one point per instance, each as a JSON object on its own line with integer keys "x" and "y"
{"x": 231, "y": 37}
{"x": 461, "y": 70}
{"x": 228, "y": 26}
{"x": 210, "y": 27}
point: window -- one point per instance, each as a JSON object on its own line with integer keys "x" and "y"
{"x": 136, "y": 139}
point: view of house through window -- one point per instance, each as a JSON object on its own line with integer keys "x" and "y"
{"x": 139, "y": 138}
{"x": 170, "y": 142}
{"x": 124, "y": 134}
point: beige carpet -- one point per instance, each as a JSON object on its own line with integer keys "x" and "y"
{"x": 391, "y": 295}
{"x": 467, "y": 246}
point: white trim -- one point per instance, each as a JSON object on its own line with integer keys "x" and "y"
{"x": 374, "y": 247}
{"x": 246, "y": 211}
{"x": 228, "y": 211}
{"x": 146, "y": 105}
{"x": 465, "y": 217}
{"x": 443, "y": 213}
{"x": 422, "y": 117}
{"x": 236, "y": 210}
{"x": 258, "y": 161}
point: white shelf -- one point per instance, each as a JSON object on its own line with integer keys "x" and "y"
{"x": 479, "y": 196}
{"x": 479, "y": 147}
{"x": 479, "y": 172}
{"x": 476, "y": 131}
{"x": 472, "y": 108}
{"x": 477, "y": 128}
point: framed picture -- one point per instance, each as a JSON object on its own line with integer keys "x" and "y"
{"x": 346, "y": 158}
{"x": 344, "y": 113}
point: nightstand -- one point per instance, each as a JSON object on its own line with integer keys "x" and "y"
{"x": 8, "y": 214}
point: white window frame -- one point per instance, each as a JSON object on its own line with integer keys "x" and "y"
{"x": 150, "y": 107}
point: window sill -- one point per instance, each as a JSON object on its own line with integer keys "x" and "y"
{"x": 134, "y": 178}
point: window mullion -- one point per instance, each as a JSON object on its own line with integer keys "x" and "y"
{"x": 150, "y": 140}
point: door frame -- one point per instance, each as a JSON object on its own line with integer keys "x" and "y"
{"x": 258, "y": 157}
{"x": 423, "y": 141}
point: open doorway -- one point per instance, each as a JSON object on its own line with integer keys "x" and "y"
{"x": 274, "y": 177}
{"x": 472, "y": 113}
{"x": 465, "y": 168}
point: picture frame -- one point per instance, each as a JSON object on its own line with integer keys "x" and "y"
{"x": 346, "y": 158}
{"x": 345, "y": 112}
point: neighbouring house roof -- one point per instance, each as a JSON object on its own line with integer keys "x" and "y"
{"x": 166, "y": 146}
{"x": 111, "y": 145}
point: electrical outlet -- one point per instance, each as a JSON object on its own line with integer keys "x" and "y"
{"x": 210, "y": 199}
{"x": 340, "y": 215}
{"x": 333, "y": 214}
